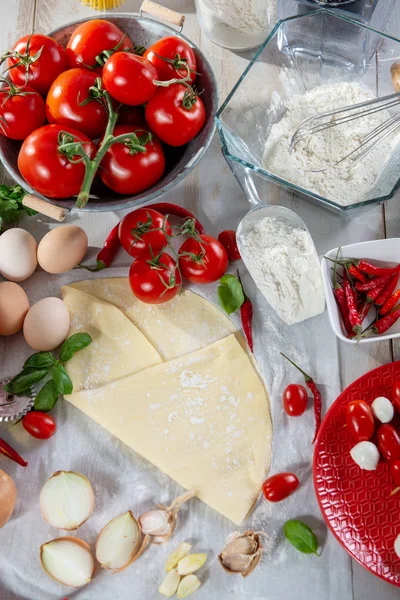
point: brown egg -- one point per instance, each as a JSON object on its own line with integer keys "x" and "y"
{"x": 14, "y": 305}
{"x": 8, "y": 498}
{"x": 47, "y": 324}
{"x": 62, "y": 249}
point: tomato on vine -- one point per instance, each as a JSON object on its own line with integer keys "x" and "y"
{"x": 202, "y": 259}
{"x": 22, "y": 110}
{"x": 172, "y": 57}
{"x": 155, "y": 279}
{"x": 129, "y": 78}
{"x": 142, "y": 231}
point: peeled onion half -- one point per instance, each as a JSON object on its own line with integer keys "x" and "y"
{"x": 119, "y": 543}
{"x": 67, "y": 500}
{"x": 68, "y": 560}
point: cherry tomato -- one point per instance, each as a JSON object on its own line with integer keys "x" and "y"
{"x": 47, "y": 170}
{"x": 228, "y": 240}
{"x": 203, "y": 260}
{"x": 127, "y": 170}
{"x": 396, "y": 395}
{"x": 360, "y": 420}
{"x": 129, "y": 78}
{"x": 140, "y": 232}
{"x": 280, "y": 486}
{"x": 132, "y": 115}
{"x": 155, "y": 281}
{"x": 39, "y": 425}
{"x": 388, "y": 442}
{"x": 295, "y": 400}
{"x": 395, "y": 471}
{"x": 65, "y": 103}
{"x": 91, "y": 39}
{"x": 50, "y": 61}
{"x": 175, "y": 114}
{"x": 180, "y": 58}
{"x": 22, "y": 110}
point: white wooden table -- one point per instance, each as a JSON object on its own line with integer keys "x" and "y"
{"x": 212, "y": 192}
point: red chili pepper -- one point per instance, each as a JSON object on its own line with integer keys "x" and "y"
{"x": 165, "y": 208}
{"x": 365, "y": 310}
{"x": 356, "y": 273}
{"x": 312, "y": 386}
{"x": 6, "y": 450}
{"x": 382, "y": 325}
{"x": 108, "y": 251}
{"x": 374, "y": 294}
{"x": 391, "y": 303}
{"x": 246, "y": 315}
{"x": 355, "y": 320}
{"x": 372, "y": 283}
{"x": 370, "y": 269}
{"x": 344, "y": 311}
{"x": 388, "y": 290}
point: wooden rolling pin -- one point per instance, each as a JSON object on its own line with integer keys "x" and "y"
{"x": 162, "y": 12}
{"x": 45, "y": 208}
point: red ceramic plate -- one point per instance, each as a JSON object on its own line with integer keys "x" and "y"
{"x": 356, "y": 504}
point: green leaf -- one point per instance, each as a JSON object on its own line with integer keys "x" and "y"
{"x": 230, "y": 293}
{"x": 40, "y": 360}
{"x": 24, "y": 380}
{"x": 62, "y": 381}
{"x": 73, "y": 344}
{"x": 301, "y": 536}
{"x": 47, "y": 397}
{"x": 11, "y": 205}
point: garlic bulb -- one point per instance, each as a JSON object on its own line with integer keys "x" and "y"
{"x": 159, "y": 524}
{"x": 242, "y": 552}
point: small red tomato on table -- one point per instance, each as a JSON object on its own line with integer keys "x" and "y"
{"x": 142, "y": 231}
{"x": 202, "y": 259}
{"x": 155, "y": 280}
{"x": 39, "y": 425}
{"x": 278, "y": 487}
{"x": 295, "y": 400}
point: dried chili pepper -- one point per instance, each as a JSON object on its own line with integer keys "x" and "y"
{"x": 370, "y": 269}
{"x": 166, "y": 208}
{"x": 6, "y": 450}
{"x": 365, "y": 310}
{"x": 341, "y": 301}
{"x": 388, "y": 290}
{"x": 246, "y": 315}
{"x": 391, "y": 303}
{"x": 374, "y": 294}
{"x": 356, "y": 273}
{"x": 382, "y": 325}
{"x": 312, "y": 386}
{"x": 108, "y": 251}
{"x": 355, "y": 320}
{"x": 372, "y": 283}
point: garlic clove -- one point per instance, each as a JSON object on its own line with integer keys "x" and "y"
{"x": 118, "y": 543}
{"x": 241, "y": 545}
{"x": 170, "y": 583}
{"x": 67, "y": 500}
{"x": 191, "y": 563}
{"x": 68, "y": 560}
{"x": 157, "y": 523}
{"x": 242, "y": 553}
{"x": 238, "y": 563}
{"x": 177, "y": 555}
{"x": 188, "y": 586}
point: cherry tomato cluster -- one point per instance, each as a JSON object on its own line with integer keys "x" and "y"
{"x": 113, "y": 110}
{"x": 362, "y": 426}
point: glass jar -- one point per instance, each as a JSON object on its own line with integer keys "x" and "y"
{"x": 237, "y": 24}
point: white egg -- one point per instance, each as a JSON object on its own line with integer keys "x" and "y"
{"x": 382, "y": 409}
{"x": 365, "y": 455}
{"x": 397, "y": 545}
{"x": 18, "y": 254}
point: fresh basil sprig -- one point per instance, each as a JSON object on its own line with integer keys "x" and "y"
{"x": 43, "y": 364}
{"x": 230, "y": 293}
{"x": 301, "y": 536}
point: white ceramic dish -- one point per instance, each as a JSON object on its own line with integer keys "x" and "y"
{"x": 380, "y": 252}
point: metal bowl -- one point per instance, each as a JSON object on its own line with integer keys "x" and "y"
{"x": 180, "y": 161}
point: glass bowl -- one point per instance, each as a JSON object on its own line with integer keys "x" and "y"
{"x": 301, "y": 53}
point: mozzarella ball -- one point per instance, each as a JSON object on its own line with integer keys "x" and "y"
{"x": 383, "y": 409}
{"x": 18, "y": 251}
{"x": 365, "y": 455}
{"x": 62, "y": 249}
{"x": 397, "y": 545}
{"x": 47, "y": 324}
{"x": 14, "y": 305}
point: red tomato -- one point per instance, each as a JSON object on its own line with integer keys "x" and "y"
{"x": 388, "y": 442}
{"x": 39, "y": 425}
{"x": 295, "y": 400}
{"x": 204, "y": 260}
{"x": 280, "y": 486}
{"x": 175, "y": 114}
{"x": 136, "y": 232}
{"x": 228, "y": 240}
{"x": 396, "y": 396}
{"x": 64, "y": 103}
{"x": 91, "y": 39}
{"x": 129, "y": 78}
{"x": 47, "y": 170}
{"x": 180, "y": 58}
{"x": 129, "y": 171}
{"x": 131, "y": 115}
{"x": 395, "y": 471}
{"x": 42, "y": 70}
{"x": 22, "y": 110}
{"x": 155, "y": 281}
{"x": 360, "y": 420}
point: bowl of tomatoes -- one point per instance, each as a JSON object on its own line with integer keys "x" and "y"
{"x": 105, "y": 114}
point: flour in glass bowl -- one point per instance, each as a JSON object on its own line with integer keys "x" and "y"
{"x": 325, "y": 148}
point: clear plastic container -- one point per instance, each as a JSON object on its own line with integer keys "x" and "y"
{"x": 237, "y": 24}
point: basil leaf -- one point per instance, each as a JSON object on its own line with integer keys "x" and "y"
{"x": 62, "y": 381}
{"x": 73, "y": 344}
{"x": 301, "y": 536}
{"x": 230, "y": 293}
{"x": 47, "y": 397}
{"x": 40, "y": 360}
{"x": 24, "y": 380}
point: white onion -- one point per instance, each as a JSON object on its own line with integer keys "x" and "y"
{"x": 67, "y": 500}
{"x": 365, "y": 455}
{"x": 383, "y": 409}
{"x": 68, "y": 560}
{"x": 118, "y": 543}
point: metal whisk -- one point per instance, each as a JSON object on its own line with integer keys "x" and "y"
{"x": 334, "y": 118}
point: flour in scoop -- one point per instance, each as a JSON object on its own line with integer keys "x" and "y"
{"x": 284, "y": 264}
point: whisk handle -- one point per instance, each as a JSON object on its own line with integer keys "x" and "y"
{"x": 162, "y": 12}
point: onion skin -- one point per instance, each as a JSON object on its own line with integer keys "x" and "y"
{"x": 69, "y": 539}
{"x": 8, "y": 498}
